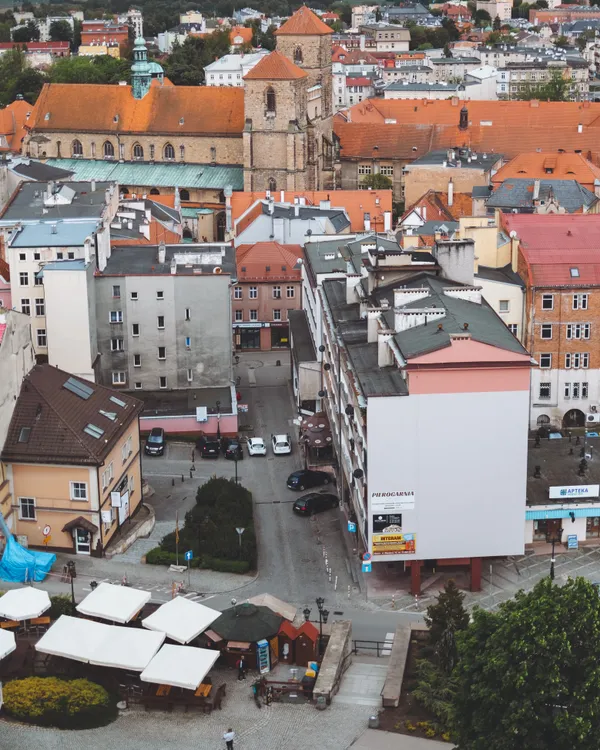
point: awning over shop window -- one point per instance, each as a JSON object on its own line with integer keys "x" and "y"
{"x": 538, "y": 515}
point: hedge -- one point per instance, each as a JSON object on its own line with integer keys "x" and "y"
{"x": 56, "y": 702}
{"x": 60, "y": 604}
{"x": 159, "y": 556}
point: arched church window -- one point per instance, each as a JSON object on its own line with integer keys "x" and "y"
{"x": 77, "y": 148}
{"x": 169, "y": 152}
{"x": 108, "y": 150}
{"x": 272, "y": 184}
{"x": 298, "y": 58}
{"x": 270, "y": 100}
{"x": 138, "y": 151}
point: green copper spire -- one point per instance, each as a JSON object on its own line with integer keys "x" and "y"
{"x": 141, "y": 72}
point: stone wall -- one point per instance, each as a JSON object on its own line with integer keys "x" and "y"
{"x": 334, "y": 661}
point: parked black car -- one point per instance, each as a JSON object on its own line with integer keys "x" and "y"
{"x": 211, "y": 449}
{"x": 233, "y": 451}
{"x": 301, "y": 480}
{"x": 315, "y": 502}
{"x": 155, "y": 442}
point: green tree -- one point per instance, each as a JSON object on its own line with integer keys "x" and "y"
{"x": 345, "y": 13}
{"x": 528, "y": 675}
{"x": 561, "y": 41}
{"x": 100, "y": 69}
{"x": 28, "y": 33}
{"x": 377, "y": 182}
{"x": 445, "y": 619}
{"x": 61, "y": 31}
{"x": 482, "y": 18}
{"x": 185, "y": 66}
{"x": 556, "y": 89}
{"x": 497, "y": 25}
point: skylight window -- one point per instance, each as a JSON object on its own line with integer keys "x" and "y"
{"x": 109, "y": 415}
{"x": 574, "y": 273}
{"x": 118, "y": 401}
{"x": 24, "y": 434}
{"x": 94, "y": 431}
{"x": 79, "y": 389}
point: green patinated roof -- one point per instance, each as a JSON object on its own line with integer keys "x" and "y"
{"x": 153, "y": 175}
{"x": 191, "y": 213}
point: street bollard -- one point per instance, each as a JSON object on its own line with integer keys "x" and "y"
{"x": 348, "y": 591}
{"x": 193, "y": 466}
{"x": 172, "y": 481}
{"x": 393, "y": 601}
{"x": 335, "y": 584}
{"x": 191, "y": 475}
{"x": 330, "y": 575}
{"x": 182, "y": 477}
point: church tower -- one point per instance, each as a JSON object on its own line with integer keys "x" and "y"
{"x": 141, "y": 70}
{"x": 288, "y": 140}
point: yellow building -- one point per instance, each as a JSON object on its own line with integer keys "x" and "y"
{"x": 72, "y": 457}
{"x": 93, "y": 50}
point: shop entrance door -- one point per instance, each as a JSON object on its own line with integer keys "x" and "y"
{"x": 83, "y": 541}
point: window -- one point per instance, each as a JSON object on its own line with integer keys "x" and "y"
{"x": 276, "y": 314}
{"x": 574, "y": 273}
{"x": 182, "y": 152}
{"x": 160, "y": 295}
{"x": 115, "y": 316}
{"x": 59, "y": 255}
{"x": 162, "y": 381}
{"x": 188, "y": 342}
{"x": 213, "y": 154}
{"x": 504, "y": 305}
{"x": 253, "y": 314}
{"x": 27, "y": 508}
{"x": 239, "y": 316}
{"x": 584, "y": 390}
{"x": 37, "y": 256}
{"x": 126, "y": 449}
{"x": 576, "y": 390}
{"x": 24, "y": 278}
{"x": 151, "y": 152}
{"x": 567, "y": 391}
{"x": 364, "y": 169}
{"x": 387, "y": 170}
{"x": 169, "y": 152}
{"x": 138, "y": 151}
{"x": 545, "y": 361}
{"x": 137, "y": 360}
{"x": 135, "y": 329}
{"x": 237, "y": 292}
{"x": 38, "y": 280}
{"x": 578, "y": 330}
{"x": 547, "y": 302}
{"x": 26, "y": 307}
{"x": 116, "y": 345}
{"x": 162, "y": 352}
{"x": 184, "y": 194}
{"x": 22, "y": 256}
{"x": 71, "y": 255}
{"x": 585, "y": 360}
{"x": 76, "y": 148}
{"x": 134, "y": 296}
{"x": 42, "y": 339}
{"x": 270, "y": 99}
{"x": 109, "y": 150}
{"x": 116, "y": 292}
{"x": 513, "y": 328}
{"x": 276, "y": 292}
{"x": 580, "y": 302}
{"x": 118, "y": 377}
{"x": 160, "y": 322}
{"x": 138, "y": 386}
{"x": 544, "y": 390}
{"x": 188, "y": 313}
{"x": 272, "y": 184}
{"x": 546, "y": 330}
{"x": 290, "y": 292}
{"x": 190, "y": 375}
{"x": 78, "y": 491}
{"x": 298, "y": 55}
{"x": 107, "y": 476}
{"x": 253, "y": 292}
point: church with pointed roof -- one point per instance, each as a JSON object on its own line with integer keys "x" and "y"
{"x": 278, "y": 128}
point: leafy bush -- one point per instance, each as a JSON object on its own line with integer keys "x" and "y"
{"x": 226, "y": 566}
{"x": 66, "y": 704}
{"x": 434, "y": 690}
{"x": 159, "y": 556}
{"x": 60, "y": 604}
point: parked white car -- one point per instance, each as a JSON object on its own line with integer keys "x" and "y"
{"x": 282, "y": 444}
{"x": 256, "y": 447}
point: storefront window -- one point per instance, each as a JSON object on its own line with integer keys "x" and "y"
{"x": 592, "y": 527}
{"x": 280, "y": 337}
{"x": 247, "y": 338}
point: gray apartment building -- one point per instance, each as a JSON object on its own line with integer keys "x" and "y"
{"x": 163, "y": 317}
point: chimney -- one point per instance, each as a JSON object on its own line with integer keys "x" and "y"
{"x": 228, "y": 192}
{"x": 367, "y": 222}
{"x": 385, "y": 356}
{"x": 463, "y": 123}
{"x": 325, "y": 205}
{"x": 361, "y": 44}
{"x": 536, "y": 190}
{"x": 162, "y": 253}
{"x": 514, "y": 251}
{"x": 580, "y": 128}
{"x": 352, "y": 281}
{"x": 387, "y": 221}
{"x": 86, "y": 250}
{"x": 282, "y": 196}
{"x": 372, "y": 325}
{"x": 450, "y": 193}
{"x": 93, "y": 186}
{"x": 271, "y": 206}
{"x": 296, "y": 210}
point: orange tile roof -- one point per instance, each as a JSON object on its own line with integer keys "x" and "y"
{"x": 189, "y": 110}
{"x": 438, "y": 209}
{"x": 355, "y": 202}
{"x": 275, "y": 67}
{"x": 396, "y": 126}
{"x": 308, "y": 629}
{"x": 158, "y": 233}
{"x": 244, "y": 31}
{"x": 252, "y": 261}
{"x": 12, "y": 124}
{"x": 304, "y": 23}
{"x": 4, "y": 270}
{"x": 564, "y": 166}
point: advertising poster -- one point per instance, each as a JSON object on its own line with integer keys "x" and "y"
{"x": 389, "y": 539}
{"x": 392, "y": 502}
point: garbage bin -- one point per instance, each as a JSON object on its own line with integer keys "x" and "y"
{"x": 374, "y": 721}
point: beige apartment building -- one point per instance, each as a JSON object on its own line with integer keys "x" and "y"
{"x": 72, "y": 457}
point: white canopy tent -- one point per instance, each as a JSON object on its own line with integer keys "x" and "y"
{"x": 100, "y": 644}
{"x": 114, "y": 603}
{"x": 8, "y": 643}
{"x": 180, "y": 666}
{"x": 24, "y": 604}
{"x": 181, "y": 619}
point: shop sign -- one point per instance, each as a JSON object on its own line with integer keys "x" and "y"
{"x": 253, "y": 324}
{"x": 394, "y": 544}
{"x": 572, "y": 541}
{"x": 575, "y": 491}
{"x": 392, "y": 502}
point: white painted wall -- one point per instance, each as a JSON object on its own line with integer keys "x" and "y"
{"x": 493, "y": 292}
{"x": 465, "y": 457}
{"x": 16, "y": 360}
{"x": 557, "y": 405}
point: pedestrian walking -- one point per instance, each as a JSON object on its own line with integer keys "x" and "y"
{"x": 229, "y": 737}
{"x": 241, "y": 665}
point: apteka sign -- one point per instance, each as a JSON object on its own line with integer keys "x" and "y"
{"x": 575, "y": 492}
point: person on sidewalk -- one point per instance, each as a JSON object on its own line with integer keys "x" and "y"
{"x": 229, "y": 737}
{"x": 241, "y": 665}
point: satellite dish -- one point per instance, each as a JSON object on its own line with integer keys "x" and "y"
{"x": 513, "y": 234}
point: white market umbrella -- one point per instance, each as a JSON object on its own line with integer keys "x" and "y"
{"x": 181, "y": 619}
{"x": 7, "y": 643}
{"x": 24, "y": 604}
{"x": 114, "y": 603}
{"x": 180, "y": 666}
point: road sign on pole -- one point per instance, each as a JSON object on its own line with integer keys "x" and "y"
{"x": 240, "y": 530}
{"x": 189, "y": 555}
{"x": 366, "y": 567}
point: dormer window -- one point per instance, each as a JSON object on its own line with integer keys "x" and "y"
{"x": 47, "y": 116}
{"x": 116, "y": 118}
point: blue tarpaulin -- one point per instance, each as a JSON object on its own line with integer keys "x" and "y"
{"x": 21, "y": 565}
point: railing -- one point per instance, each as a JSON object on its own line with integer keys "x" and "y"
{"x": 378, "y": 646}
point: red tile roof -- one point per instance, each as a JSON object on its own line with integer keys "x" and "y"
{"x": 304, "y": 23}
{"x": 275, "y": 67}
{"x": 245, "y": 32}
{"x": 354, "y": 57}
{"x": 309, "y": 629}
{"x": 408, "y": 129}
{"x": 545, "y": 166}
{"x": 252, "y": 261}
{"x": 36, "y": 46}
{"x": 359, "y": 81}
{"x": 4, "y": 270}
{"x": 437, "y": 208}
{"x": 189, "y": 110}
{"x": 12, "y": 124}
{"x": 552, "y": 245}
{"x": 288, "y": 629}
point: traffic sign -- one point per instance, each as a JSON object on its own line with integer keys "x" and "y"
{"x": 366, "y": 567}
{"x": 189, "y": 555}
{"x": 351, "y": 527}
{"x": 240, "y": 530}
{"x": 367, "y": 556}
{"x": 47, "y": 530}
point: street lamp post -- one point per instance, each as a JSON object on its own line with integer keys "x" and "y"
{"x": 72, "y": 575}
{"x": 556, "y": 539}
{"x": 323, "y": 617}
